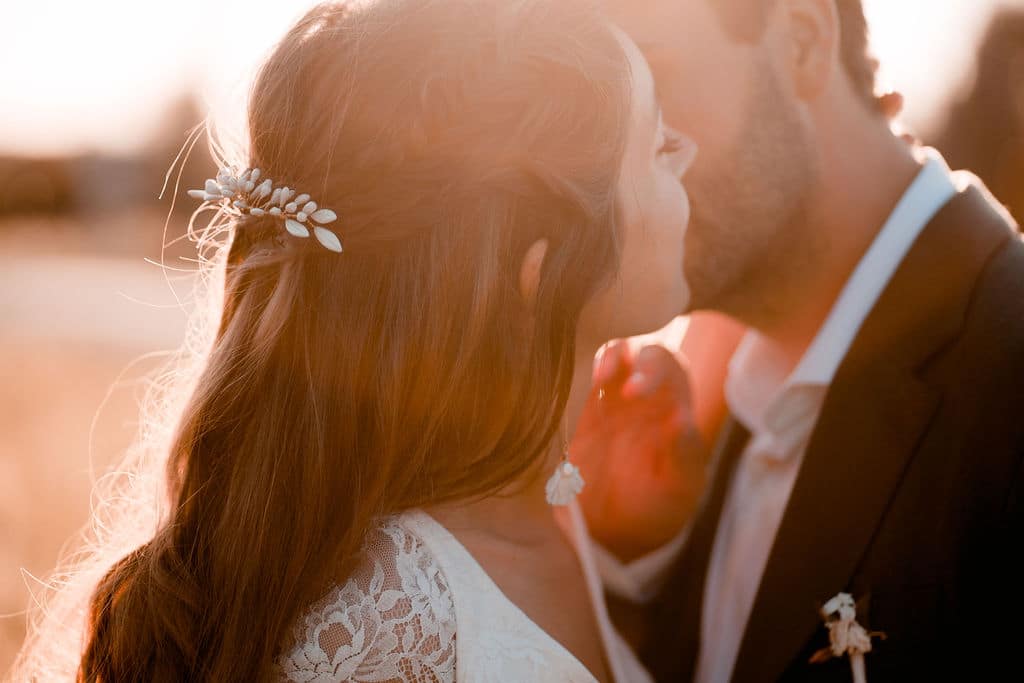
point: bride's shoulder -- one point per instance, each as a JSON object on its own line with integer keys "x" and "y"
{"x": 393, "y": 619}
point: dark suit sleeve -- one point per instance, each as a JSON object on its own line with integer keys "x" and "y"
{"x": 1006, "y": 622}
{"x": 1015, "y": 504}
{"x": 1015, "y": 525}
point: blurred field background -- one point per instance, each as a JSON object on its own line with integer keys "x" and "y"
{"x": 89, "y": 125}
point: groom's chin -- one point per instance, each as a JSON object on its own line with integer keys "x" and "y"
{"x": 699, "y": 304}
{"x": 687, "y": 306}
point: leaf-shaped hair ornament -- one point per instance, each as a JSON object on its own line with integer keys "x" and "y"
{"x": 244, "y": 193}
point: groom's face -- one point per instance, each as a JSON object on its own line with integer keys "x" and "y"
{"x": 753, "y": 171}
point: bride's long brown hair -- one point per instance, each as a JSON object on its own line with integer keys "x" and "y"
{"x": 448, "y": 136}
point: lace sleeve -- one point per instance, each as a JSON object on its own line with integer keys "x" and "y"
{"x": 393, "y": 621}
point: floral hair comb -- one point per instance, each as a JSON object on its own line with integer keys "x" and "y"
{"x": 240, "y": 194}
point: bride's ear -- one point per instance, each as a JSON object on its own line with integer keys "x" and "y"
{"x": 529, "y": 271}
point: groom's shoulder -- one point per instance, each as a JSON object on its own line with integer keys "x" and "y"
{"x": 998, "y": 294}
{"x": 975, "y": 272}
{"x": 1003, "y": 276}
{"x": 994, "y": 321}
{"x": 982, "y": 370}
{"x": 984, "y": 233}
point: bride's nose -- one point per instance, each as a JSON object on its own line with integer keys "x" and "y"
{"x": 686, "y": 155}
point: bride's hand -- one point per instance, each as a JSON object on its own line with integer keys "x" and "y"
{"x": 638, "y": 449}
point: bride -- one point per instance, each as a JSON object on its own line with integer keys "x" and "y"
{"x": 361, "y": 484}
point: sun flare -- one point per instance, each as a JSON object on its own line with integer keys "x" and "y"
{"x": 97, "y": 75}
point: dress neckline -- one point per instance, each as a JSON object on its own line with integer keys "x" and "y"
{"x": 425, "y": 521}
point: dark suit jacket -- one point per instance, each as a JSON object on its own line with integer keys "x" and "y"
{"x": 911, "y": 493}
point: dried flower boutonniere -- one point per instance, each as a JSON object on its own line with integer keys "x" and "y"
{"x": 847, "y": 638}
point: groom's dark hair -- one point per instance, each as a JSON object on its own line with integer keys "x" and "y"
{"x": 745, "y": 19}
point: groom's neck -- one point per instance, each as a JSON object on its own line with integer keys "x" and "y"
{"x": 865, "y": 170}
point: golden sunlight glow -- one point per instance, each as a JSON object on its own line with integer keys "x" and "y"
{"x": 97, "y": 75}
{"x": 927, "y": 47}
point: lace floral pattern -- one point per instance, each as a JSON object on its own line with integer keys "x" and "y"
{"x": 392, "y": 621}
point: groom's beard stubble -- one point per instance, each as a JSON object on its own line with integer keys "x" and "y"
{"x": 749, "y": 234}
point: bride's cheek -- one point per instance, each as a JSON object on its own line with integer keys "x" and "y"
{"x": 681, "y": 201}
{"x": 675, "y": 209}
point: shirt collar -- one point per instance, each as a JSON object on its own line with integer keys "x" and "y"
{"x": 930, "y": 191}
{"x": 759, "y": 391}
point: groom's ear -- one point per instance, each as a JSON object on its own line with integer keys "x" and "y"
{"x": 529, "y": 271}
{"x": 812, "y": 44}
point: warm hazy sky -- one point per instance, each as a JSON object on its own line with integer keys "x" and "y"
{"x": 78, "y": 74}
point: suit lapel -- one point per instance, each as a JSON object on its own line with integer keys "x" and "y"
{"x": 864, "y": 439}
{"x": 875, "y": 414}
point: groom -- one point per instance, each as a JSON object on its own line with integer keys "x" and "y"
{"x": 875, "y": 438}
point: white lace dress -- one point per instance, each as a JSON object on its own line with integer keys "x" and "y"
{"x": 421, "y": 609}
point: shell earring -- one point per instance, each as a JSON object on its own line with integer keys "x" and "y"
{"x": 566, "y": 482}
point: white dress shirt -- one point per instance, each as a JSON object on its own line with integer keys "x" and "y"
{"x": 780, "y": 405}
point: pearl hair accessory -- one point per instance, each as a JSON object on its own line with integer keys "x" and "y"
{"x": 240, "y": 194}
